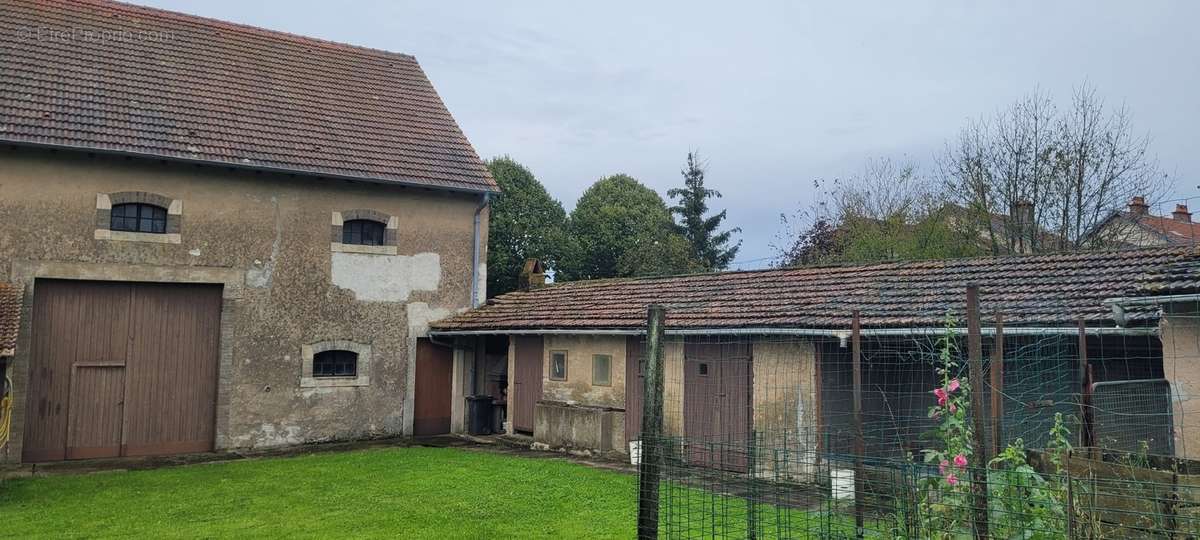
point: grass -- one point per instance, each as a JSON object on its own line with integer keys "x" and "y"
{"x": 393, "y": 492}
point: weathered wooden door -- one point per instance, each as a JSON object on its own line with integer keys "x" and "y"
{"x": 74, "y": 322}
{"x": 431, "y": 398}
{"x": 527, "y": 383}
{"x": 130, "y": 366}
{"x": 95, "y": 418}
{"x": 171, "y": 373}
{"x": 718, "y": 382}
{"x": 634, "y": 386}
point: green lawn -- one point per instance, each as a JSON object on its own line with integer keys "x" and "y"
{"x": 393, "y": 492}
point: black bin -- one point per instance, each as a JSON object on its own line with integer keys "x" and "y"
{"x": 479, "y": 415}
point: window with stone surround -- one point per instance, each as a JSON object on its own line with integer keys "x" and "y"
{"x": 364, "y": 231}
{"x": 138, "y": 216}
{"x": 335, "y": 363}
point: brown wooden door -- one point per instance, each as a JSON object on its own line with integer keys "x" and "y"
{"x": 166, "y": 337}
{"x": 74, "y": 322}
{"x": 431, "y": 398}
{"x": 171, "y": 373}
{"x": 634, "y": 387}
{"x": 527, "y": 386}
{"x": 94, "y": 421}
{"x": 716, "y": 404}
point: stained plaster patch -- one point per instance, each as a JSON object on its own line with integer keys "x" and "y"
{"x": 389, "y": 278}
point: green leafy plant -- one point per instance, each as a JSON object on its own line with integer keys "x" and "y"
{"x": 946, "y": 498}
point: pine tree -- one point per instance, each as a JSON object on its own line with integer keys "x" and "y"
{"x": 711, "y": 248}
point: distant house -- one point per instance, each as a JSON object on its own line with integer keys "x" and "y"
{"x": 227, "y": 237}
{"x": 764, "y": 353}
{"x": 1135, "y": 226}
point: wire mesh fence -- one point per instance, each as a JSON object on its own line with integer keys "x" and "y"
{"x": 969, "y": 429}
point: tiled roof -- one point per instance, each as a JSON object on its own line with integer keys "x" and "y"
{"x": 1172, "y": 230}
{"x": 10, "y": 317}
{"x": 1035, "y": 290}
{"x": 111, "y": 77}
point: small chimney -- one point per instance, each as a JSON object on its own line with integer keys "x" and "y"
{"x": 533, "y": 275}
{"x": 1138, "y": 206}
{"x": 1181, "y": 214}
{"x": 1023, "y": 226}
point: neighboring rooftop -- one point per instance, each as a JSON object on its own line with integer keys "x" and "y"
{"x": 1176, "y": 229}
{"x": 10, "y": 318}
{"x": 110, "y": 77}
{"x": 1032, "y": 290}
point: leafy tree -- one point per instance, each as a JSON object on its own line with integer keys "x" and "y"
{"x": 885, "y": 212}
{"x": 656, "y": 253}
{"x": 820, "y": 242}
{"x": 615, "y": 227}
{"x": 710, "y": 247}
{"x": 525, "y": 223}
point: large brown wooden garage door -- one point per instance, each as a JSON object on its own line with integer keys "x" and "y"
{"x": 121, "y": 369}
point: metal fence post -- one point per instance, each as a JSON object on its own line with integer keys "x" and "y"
{"x": 652, "y": 415}
{"x": 975, "y": 365}
{"x": 997, "y": 373}
{"x": 859, "y": 442}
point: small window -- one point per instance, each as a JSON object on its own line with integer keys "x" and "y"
{"x": 138, "y": 217}
{"x": 601, "y": 370}
{"x": 704, "y": 368}
{"x": 362, "y": 232}
{"x": 335, "y": 364}
{"x": 558, "y": 365}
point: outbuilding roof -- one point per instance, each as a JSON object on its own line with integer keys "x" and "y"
{"x": 109, "y": 77}
{"x": 10, "y": 317}
{"x": 1032, "y": 290}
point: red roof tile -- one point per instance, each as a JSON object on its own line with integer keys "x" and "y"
{"x": 10, "y": 317}
{"x": 1032, "y": 290}
{"x": 105, "y": 76}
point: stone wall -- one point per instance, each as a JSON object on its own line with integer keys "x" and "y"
{"x": 266, "y": 238}
{"x": 1181, "y": 365}
{"x": 578, "y": 387}
{"x": 579, "y": 429}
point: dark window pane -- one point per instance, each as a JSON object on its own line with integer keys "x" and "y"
{"x": 362, "y": 232}
{"x": 335, "y": 364}
{"x": 137, "y": 217}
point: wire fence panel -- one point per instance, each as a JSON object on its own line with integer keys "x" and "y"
{"x": 760, "y": 434}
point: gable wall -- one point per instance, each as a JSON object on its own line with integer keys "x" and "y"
{"x": 267, "y": 239}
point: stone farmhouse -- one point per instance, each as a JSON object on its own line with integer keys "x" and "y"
{"x": 226, "y": 237}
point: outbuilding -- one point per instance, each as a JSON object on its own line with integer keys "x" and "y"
{"x": 760, "y": 359}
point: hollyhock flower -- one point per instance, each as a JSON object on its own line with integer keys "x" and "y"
{"x": 953, "y": 385}
{"x": 941, "y": 395}
{"x": 960, "y": 461}
{"x": 942, "y": 467}
{"x": 953, "y": 408}
{"x": 951, "y": 479}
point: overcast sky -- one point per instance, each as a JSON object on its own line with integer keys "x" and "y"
{"x": 773, "y": 95}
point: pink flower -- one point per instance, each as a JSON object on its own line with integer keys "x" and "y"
{"x": 953, "y": 408}
{"x": 953, "y": 385}
{"x": 941, "y": 395}
{"x": 951, "y": 479}
{"x": 960, "y": 461}
{"x": 942, "y": 467}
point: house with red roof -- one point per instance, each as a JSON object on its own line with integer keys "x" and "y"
{"x": 1136, "y": 226}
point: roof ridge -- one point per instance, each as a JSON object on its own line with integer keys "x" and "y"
{"x": 899, "y": 263}
{"x": 211, "y": 21}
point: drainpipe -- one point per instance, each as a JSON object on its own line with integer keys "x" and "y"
{"x": 475, "y": 246}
